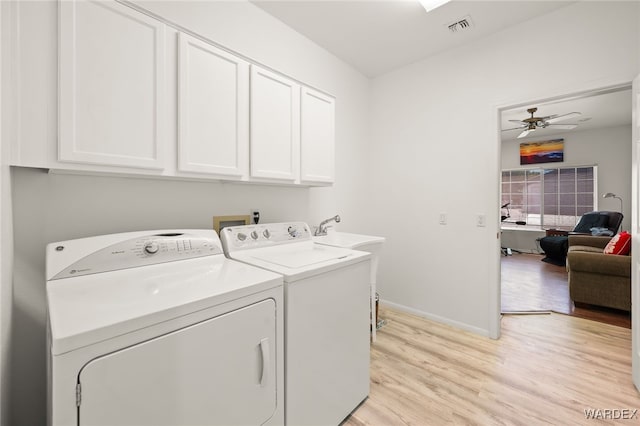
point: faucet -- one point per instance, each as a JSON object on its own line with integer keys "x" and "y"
{"x": 322, "y": 228}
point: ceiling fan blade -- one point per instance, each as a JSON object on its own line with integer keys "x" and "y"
{"x": 516, "y": 121}
{"x": 514, "y": 128}
{"x": 562, "y": 117}
{"x": 563, "y": 126}
{"x": 525, "y": 133}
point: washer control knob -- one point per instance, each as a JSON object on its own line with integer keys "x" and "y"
{"x": 266, "y": 234}
{"x": 292, "y": 231}
{"x": 254, "y": 235}
{"x": 242, "y": 236}
{"x": 151, "y": 247}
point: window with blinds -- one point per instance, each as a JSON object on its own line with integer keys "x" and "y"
{"x": 550, "y": 197}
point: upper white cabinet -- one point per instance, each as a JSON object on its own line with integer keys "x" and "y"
{"x": 111, "y": 93}
{"x": 213, "y": 110}
{"x": 275, "y": 126}
{"x": 139, "y": 94}
{"x": 317, "y": 137}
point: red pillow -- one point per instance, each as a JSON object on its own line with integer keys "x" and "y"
{"x": 619, "y": 244}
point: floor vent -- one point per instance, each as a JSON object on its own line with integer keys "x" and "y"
{"x": 461, "y": 25}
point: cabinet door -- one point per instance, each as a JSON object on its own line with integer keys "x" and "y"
{"x": 317, "y": 137}
{"x": 213, "y": 109}
{"x": 111, "y": 85}
{"x": 218, "y": 372}
{"x": 275, "y": 126}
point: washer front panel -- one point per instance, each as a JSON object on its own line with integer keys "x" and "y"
{"x": 220, "y": 371}
{"x": 174, "y": 293}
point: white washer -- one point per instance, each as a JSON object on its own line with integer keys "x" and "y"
{"x": 326, "y": 317}
{"x": 159, "y": 328}
{"x": 368, "y": 243}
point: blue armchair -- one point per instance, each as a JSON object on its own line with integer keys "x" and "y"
{"x": 556, "y": 243}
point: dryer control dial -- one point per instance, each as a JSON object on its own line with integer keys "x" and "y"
{"x": 254, "y": 235}
{"x": 242, "y": 236}
{"x": 151, "y": 247}
{"x": 266, "y": 234}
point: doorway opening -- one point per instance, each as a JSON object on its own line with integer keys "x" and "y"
{"x": 587, "y": 137}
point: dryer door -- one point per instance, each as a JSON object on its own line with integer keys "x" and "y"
{"x": 220, "y": 371}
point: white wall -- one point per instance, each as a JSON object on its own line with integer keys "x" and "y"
{"x": 522, "y": 240}
{"x": 51, "y": 207}
{"x": 608, "y": 148}
{"x": 6, "y": 233}
{"x": 3, "y": 340}
{"x": 395, "y": 145}
{"x": 436, "y": 148}
{"x": 252, "y": 32}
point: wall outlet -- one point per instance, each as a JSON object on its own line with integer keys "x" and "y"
{"x": 443, "y": 218}
{"x": 481, "y": 220}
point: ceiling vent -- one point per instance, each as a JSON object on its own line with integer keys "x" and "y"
{"x": 460, "y": 25}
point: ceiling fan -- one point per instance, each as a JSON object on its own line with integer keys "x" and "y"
{"x": 532, "y": 123}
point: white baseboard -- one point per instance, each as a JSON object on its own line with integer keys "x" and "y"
{"x": 526, "y": 251}
{"x": 436, "y": 318}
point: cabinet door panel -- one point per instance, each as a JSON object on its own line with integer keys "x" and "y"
{"x": 275, "y": 128}
{"x": 213, "y": 109}
{"x": 317, "y": 137}
{"x": 111, "y": 85}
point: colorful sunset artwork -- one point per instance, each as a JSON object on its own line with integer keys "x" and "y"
{"x": 542, "y": 152}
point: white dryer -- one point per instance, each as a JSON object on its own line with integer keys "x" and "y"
{"x": 326, "y": 317}
{"x": 159, "y": 328}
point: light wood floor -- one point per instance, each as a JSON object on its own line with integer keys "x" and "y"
{"x": 531, "y": 285}
{"x": 545, "y": 369}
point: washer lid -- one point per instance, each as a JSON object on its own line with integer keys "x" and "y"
{"x": 86, "y": 309}
{"x": 296, "y": 257}
{"x": 286, "y": 248}
{"x": 300, "y": 260}
{"x": 91, "y": 308}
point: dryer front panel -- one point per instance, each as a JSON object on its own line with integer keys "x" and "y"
{"x": 219, "y": 371}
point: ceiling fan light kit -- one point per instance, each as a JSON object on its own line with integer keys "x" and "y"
{"x": 532, "y": 123}
{"x": 429, "y": 5}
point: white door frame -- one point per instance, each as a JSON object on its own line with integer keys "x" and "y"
{"x": 3, "y": 376}
{"x": 495, "y": 290}
{"x": 635, "y": 237}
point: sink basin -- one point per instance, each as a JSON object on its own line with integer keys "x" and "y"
{"x": 350, "y": 241}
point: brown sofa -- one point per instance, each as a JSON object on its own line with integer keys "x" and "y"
{"x": 596, "y": 278}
